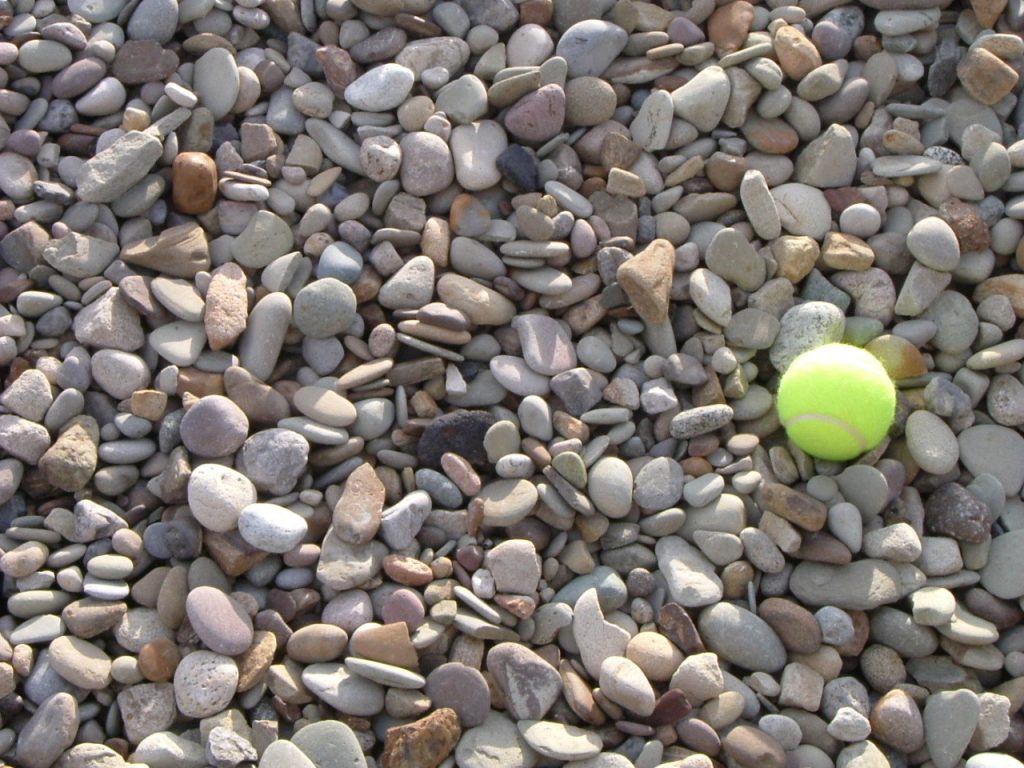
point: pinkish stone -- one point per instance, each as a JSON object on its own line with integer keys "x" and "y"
{"x": 538, "y": 116}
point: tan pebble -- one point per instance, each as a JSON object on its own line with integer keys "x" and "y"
{"x": 654, "y": 654}
{"x": 22, "y": 658}
{"x": 796, "y": 256}
{"x": 387, "y": 643}
{"x": 751, "y": 747}
{"x": 647, "y": 280}
{"x": 589, "y": 101}
{"x": 80, "y": 663}
{"x": 170, "y": 603}
{"x": 896, "y": 720}
{"x": 89, "y": 617}
{"x": 7, "y": 679}
{"x": 317, "y": 643}
{"x": 846, "y": 252}
{"x": 985, "y": 76}
{"x": 24, "y": 559}
{"x": 253, "y": 664}
{"x": 723, "y": 710}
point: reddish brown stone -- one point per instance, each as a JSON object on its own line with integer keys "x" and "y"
{"x": 672, "y": 707}
{"x": 676, "y": 624}
{"x": 729, "y": 26}
{"x": 424, "y": 743}
{"x": 194, "y": 182}
{"x": 158, "y": 659}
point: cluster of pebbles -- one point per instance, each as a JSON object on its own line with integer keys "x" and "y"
{"x": 390, "y": 383}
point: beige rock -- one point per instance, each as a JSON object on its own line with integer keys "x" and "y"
{"x": 647, "y": 280}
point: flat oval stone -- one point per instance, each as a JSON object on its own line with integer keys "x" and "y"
{"x": 462, "y": 688}
{"x": 547, "y": 344}
{"x": 610, "y": 486}
{"x": 349, "y": 693}
{"x": 214, "y": 427}
{"x": 506, "y": 502}
{"x": 221, "y": 623}
{"x": 742, "y": 638}
{"x": 325, "y": 406}
{"x": 559, "y": 741}
{"x": 80, "y": 663}
{"x": 271, "y": 528}
{"x": 381, "y": 89}
{"x": 216, "y": 81}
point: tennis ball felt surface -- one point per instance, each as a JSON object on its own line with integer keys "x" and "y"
{"x": 836, "y": 402}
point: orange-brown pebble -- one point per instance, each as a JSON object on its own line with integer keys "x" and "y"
{"x": 408, "y": 570}
{"x": 194, "y": 182}
{"x": 158, "y": 659}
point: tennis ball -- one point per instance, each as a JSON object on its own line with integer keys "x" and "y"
{"x": 836, "y": 402}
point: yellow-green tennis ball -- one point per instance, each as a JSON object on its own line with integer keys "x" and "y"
{"x": 836, "y": 402}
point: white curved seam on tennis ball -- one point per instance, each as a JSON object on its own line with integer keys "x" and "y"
{"x": 856, "y": 434}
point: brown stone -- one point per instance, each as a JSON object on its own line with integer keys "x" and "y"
{"x": 254, "y": 663}
{"x": 675, "y": 623}
{"x": 339, "y": 69}
{"x": 753, "y": 748}
{"x": 647, "y": 280}
{"x": 985, "y": 76}
{"x": 149, "y": 404}
{"x": 795, "y": 506}
{"x": 729, "y": 26}
{"x": 797, "y": 55}
{"x": 970, "y": 229}
{"x": 671, "y": 707}
{"x": 424, "y": 743}
{"x": 143, "y": 61}
{"x": 580, "y": 696}
{"x": 260, "y": 402}
{"x": 773, "y": 137}
{"x": 231, "y": 552}
{"x": 158, "y": 659}
{"x": 725, "y": 171}
{"x": 896, "y": 721}
{"x": 794, "y": 624}
{"x": 194, "y": 182}
{"x": 823, "y": 548}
